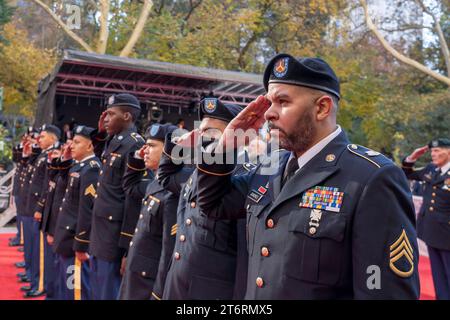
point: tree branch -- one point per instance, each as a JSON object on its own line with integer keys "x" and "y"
{"x": 104, "y": 28}
{"x": 397, "y": 54}
{"x": 442, "y": 41}
{"x": 138, "y": 28}
{"x": 64, "y": 27}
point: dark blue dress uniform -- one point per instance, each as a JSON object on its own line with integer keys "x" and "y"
{"x": 35, "y": 203}
{"x": 300, "y": 252}
{"x": 152, "y": 245}
{"x": 433, "y": 221}
{"x": 73, "y": 228}
{"x": 17, "y": 159}
{"x": 205, "y": 257}
{"x": 27, "y": 218}
{"x": 342, "y": 226}
{"x": 106, "y": 246}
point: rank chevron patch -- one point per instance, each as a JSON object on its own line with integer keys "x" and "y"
{"x": 401, "y": 248}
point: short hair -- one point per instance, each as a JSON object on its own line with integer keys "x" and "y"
{"x": 135, "y": 113}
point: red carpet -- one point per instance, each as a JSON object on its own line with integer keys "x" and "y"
{"x": 10, "y": 288}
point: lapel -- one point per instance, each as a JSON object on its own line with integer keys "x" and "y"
{"x": 441, "y": 177}
{"x": 313, "y": 173}
{"x": 116, "y": 141}
{"x": 275, "y": 180}
{"x": 153, "y": 187}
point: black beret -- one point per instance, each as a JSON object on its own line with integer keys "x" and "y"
{"x": 123, "y": 99}
{"x": 214, "y": 108}
{"x": 439, "y": 143}
{"x": 307, "y": 72}
{"x": 159, "y": 131}
{"x": 52, "y": 129}
{"x": 83, "y": 131}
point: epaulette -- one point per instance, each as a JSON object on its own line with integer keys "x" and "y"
{"x": 136, "y": 136}
{"x": 249, "y": 166}
{"x": 94, "y": 164}
{"x": 374, "y": 157}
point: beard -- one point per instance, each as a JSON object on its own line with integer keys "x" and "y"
{"x": 302, "y": 138}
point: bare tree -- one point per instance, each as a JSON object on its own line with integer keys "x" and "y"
{"x": 403, "y": 58}
{"x": 104, "y": 8}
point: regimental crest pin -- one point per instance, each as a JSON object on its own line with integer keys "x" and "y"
{"x": 210, "y": 105}
{"x": 401, "y": 257}
{"x": 281, "y": 67}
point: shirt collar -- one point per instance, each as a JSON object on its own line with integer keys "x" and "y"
{"x": 445, "y": 168}
{"x": 314, "y": 150}
{"x": 86, "y": 158}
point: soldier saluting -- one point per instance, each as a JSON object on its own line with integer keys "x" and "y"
{"x": 117, "y": 138}
{"x": 433, "y": 222}
{"x": 332, "y": 214}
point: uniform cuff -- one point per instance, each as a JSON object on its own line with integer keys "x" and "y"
{"x": 135, "y": 164}
{"x": 222, "y": 163}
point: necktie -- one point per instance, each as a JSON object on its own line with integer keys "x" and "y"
{"x": 289, "y": 172}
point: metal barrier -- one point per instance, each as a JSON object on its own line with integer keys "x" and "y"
{"x": 6, "y": 200}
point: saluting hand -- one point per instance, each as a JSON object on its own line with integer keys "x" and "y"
{"x": 252, "y": 117}
{"x": 101, "y": 122}
{"x": 417, "y": 153}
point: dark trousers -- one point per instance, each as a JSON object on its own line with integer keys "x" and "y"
{"x": 50, "y": 272}
{"x": 27, "y": 223}
{"x": 440, "y": 268}
{"x": 105, "y": 279}
{"x": 37, "y": 258}
{"x": 74, "y": 277}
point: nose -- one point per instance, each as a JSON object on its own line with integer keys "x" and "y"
{"x": 271, "y": 114}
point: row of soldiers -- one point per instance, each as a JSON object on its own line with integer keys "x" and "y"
{"x": 129, "y": 218}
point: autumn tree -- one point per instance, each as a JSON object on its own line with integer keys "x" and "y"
{"x": 22, "y": 66}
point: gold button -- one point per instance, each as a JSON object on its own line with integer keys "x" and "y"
{"x": 182, "y": 238}
{"x": 259, "y": 282}
{"x": 136, "y": 230}
{"x": 104, "y": 160}
{"x": 67, "y": 227}
{"x": 177, "y": 256}
{"x": 188, "y": 221}
{"x": 270, "y": 224}
{"x": 432, "y": 201}
{"x": 101, "y": 172}
{"x": 264, "y": 251}
{"x": 145, "y": 202}
{"x": 434, "y": 187}
{"x": 433, "y": 194}
{"x": 131, "y": 243}
{"x": 96, "y": 196}
{"x": 60, "y": 208}
{"x": 431, "y": 208}
{"x": 354, "y": 146}
{"x": 144, "y": 273}
{"x": 193, "y": 204}
{"x": 141, "y": 216}
{"x": 98, "y": 184}
{"x": 312, "y": 230}
{"x": 110, "y": 217}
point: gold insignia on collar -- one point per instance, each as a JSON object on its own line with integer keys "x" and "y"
{"x": 401, "y": 248}
{"x": 330, "y": 157}
{"x": 90, "y": 190}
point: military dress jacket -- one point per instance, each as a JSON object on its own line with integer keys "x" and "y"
{"x": 74, "y": 219}
{"x": 341, "y": 228}
{"x": 108, "y": 242}
{"x": 204, "y": 261}
{"x": 433, "y": 221}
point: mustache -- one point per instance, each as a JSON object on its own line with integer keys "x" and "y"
{"x": 271, "y": 126}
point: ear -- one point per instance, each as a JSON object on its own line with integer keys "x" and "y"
{"x": 324, "y": 107}
{"x": 127, "y": 116}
